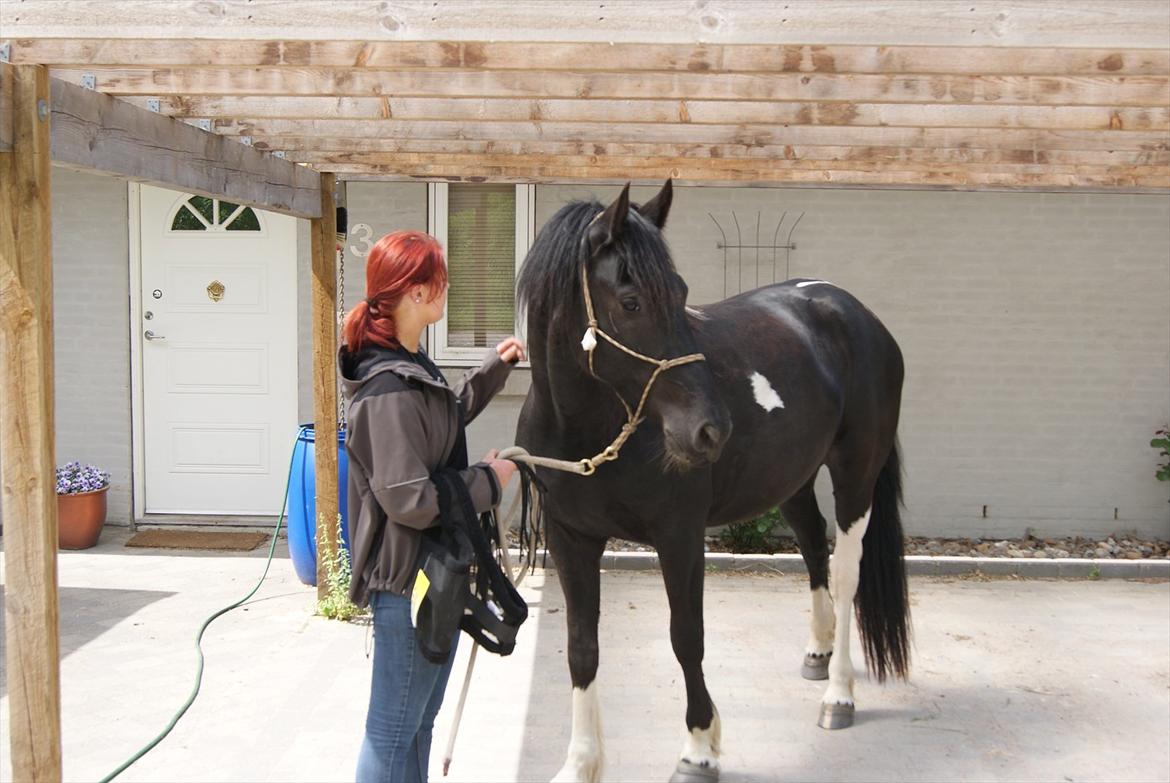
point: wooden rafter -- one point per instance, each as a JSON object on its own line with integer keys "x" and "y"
{"x": 961, "y": 93}
{"x": 574, "y": 56}
{"x": 94, "y": 132}
{"x": 1002, "y": 23}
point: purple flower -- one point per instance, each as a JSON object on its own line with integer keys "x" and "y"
{"x": 74, "y": 478}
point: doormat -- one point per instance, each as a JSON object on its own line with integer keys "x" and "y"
{"x": 192, "y": 539}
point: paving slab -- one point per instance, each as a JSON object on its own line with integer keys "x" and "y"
{"x": 1013, "y": 679}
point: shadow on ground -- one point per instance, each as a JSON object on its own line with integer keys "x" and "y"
{"x": 85, "y": 613}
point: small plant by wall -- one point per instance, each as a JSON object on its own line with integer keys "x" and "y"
{"x": 755, "y": 536}
{"x": 1161, "y": 442}
{"x": 336, "y": 604}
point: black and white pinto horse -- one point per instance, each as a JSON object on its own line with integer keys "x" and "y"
{"x": 795, "y": 376}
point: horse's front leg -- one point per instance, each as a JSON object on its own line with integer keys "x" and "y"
{"x": 578, "y": 561}
{"x": 682, "y": 570}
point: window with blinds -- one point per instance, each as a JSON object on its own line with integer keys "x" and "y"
{"x": 481, "y": 264}
{"x": 486, "y": 230}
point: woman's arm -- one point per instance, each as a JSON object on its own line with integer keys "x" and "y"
{"x": 476, "y": 388}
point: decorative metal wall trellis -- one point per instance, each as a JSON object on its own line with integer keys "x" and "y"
{"x": 738, "y": 247}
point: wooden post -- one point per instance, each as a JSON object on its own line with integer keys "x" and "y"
{"x": 26, "y": 434}
{"x": 325, "y": 376}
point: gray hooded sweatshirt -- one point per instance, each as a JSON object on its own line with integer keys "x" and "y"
{"x": 403, "y": 426}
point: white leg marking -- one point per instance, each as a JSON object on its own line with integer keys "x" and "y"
{"x": 703, "y": 745}
{"x": 586, "y": 752}
{"x": 820, "y": 639}
{"x": 766, "y": 396}
{"x": 843, "y": 574}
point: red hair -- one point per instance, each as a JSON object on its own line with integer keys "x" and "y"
{"x": 397, "y": 262}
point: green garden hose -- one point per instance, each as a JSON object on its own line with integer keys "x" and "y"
{"x": 199, "y": 650}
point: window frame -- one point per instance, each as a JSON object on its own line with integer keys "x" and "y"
{"x": 437, "y": 217}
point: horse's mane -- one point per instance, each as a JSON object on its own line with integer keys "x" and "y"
{"x": 550, "y": 281}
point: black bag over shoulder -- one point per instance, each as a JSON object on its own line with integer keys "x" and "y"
{"x": 459, "y": 584}
{"x": 440, "y": 587}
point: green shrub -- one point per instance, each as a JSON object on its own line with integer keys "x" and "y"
{"x": 755, "y": 536}
{"x": 1162, "y": 443}
{"x": 336, "y": 604}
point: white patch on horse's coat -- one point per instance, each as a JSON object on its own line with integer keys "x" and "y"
{"x": 844, "y": 570}
{"x": 703, "y": 745}
{"x": 766, "y": 396}
{"x": 586, "y": 750}
{"x": 697, "y": 313}
{"x": 812, "y": 282}
{"x": 820, "y": 639}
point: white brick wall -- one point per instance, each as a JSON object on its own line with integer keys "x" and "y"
{"x": 91, "y": 322}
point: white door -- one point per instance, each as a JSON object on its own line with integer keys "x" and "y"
{"x": 219, "y": 372}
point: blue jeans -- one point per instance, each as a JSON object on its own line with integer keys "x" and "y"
{"x": 405, "y": 693}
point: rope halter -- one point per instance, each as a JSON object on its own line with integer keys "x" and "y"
{"x": 633, "y": 417}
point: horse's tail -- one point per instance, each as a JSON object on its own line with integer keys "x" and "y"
{"x": 882, "y": 605}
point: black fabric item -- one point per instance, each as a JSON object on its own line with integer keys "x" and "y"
{"x": 467, "y": 588}
{"x": 445, "y": 556}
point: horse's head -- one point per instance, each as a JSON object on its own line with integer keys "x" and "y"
{"x": 638, "y": 302}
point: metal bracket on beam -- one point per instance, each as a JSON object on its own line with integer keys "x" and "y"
{"x": 278, "y": 153}
{"x": 246, "y": 141}
{"x": 89, "y": 81}
{"x": 154, "y": 105}
{"x": 5, "y": 52}
{"x": 203, "y": 125}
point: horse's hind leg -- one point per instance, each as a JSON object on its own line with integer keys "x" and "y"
{"x": 682, "y": 571}
{"x": 804, "y": 517}
{"x": 853, "y": 485}
{"x": 578, "y": 561}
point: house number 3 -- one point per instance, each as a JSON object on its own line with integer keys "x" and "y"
{"x": 362, "y": 233}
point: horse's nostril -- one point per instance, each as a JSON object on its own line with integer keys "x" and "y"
{"x": 709, "y": 440}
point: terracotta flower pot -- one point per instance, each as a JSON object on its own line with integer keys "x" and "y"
{"x": 80, "y": 517}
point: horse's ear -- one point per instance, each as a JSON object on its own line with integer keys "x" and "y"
{"x": 656, "y": 209}
{"x": 610, "y": 224}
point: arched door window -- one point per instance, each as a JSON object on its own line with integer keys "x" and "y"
{"x": 200, "y": 213}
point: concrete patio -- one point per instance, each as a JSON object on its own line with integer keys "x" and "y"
{"x": 1012, "y": 680}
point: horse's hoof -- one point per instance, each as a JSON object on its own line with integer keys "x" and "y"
{"x": 815, "y": 667}
{"x": 836, "y": 716}
{"x": 686, "y": 772}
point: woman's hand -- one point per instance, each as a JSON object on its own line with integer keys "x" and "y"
{"x": 503, "y": 468}
{"x": 511, "y": 350}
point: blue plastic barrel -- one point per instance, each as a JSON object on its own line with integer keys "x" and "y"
{"x": 302, "y": 502}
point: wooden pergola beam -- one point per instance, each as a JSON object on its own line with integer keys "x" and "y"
{"x": 1003, "y": 23}
{"x": 94, "y": 132}
{"x": 684, "y": 133}
{"x": 324, "y": 320}
{"x": 27, "y": 432}
{"x": 246, "y": 109}
{"x": 528, "y": 55}
{"x": 1099, "y": 89}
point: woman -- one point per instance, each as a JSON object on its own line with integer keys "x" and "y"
{"x": 404, "y": 424}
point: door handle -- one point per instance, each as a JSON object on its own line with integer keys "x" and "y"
{"x": 149, "y": 335}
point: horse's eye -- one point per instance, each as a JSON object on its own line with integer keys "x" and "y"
{"x": 631, "y": 305}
